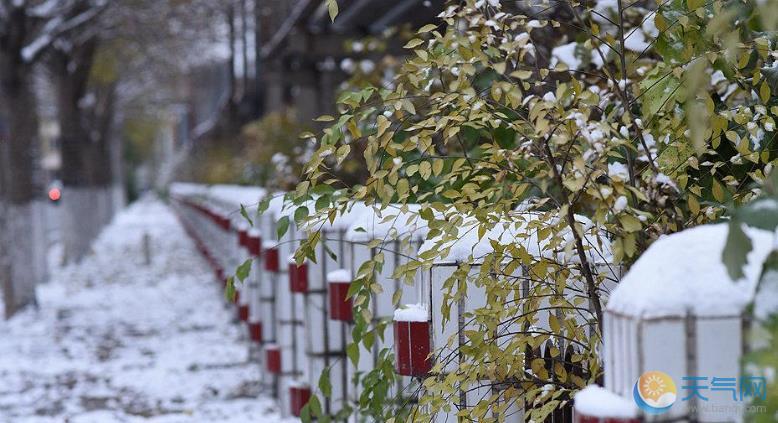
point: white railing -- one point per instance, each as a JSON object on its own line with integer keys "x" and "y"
{"x": 299, "y": 320}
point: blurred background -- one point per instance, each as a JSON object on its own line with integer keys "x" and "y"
{"x": 103, "y": 100}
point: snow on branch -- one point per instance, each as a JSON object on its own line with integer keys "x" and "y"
{"x": 56, "y": 27}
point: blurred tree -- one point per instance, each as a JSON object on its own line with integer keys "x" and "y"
{"x": 89, "y": 72}
{"x": 28, "y": 29}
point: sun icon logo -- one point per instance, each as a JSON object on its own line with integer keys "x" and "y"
{"x": 655, "y": 392}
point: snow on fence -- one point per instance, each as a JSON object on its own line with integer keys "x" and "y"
{"x": 668, "y": 314}
{"x": 326, "y": 333}
{"x": 678, "y": 312}
{"x": 401, "y": 236}
{"x": 282, "y": 309}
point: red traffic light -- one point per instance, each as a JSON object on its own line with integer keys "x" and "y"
{"x": 55, "y": 194}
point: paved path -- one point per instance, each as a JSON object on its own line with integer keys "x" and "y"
{"x": 117, "y": 341}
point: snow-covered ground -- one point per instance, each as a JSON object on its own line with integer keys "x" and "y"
{"x": 115, "y": 340}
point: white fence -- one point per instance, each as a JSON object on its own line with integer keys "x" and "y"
{"x": 300, "y": 320}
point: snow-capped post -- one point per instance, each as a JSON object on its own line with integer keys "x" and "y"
{"x": 242, "y": 300}
{"x": 594, "y": 404}
{"x": 272, "y": 259}
{"x": 255, "y": 331}
{"x": 412, "y": 340}
{"x": 677, "y": 317}
{"x": 341, "y": 306}
{"x": 273, "y": 358}
{"x": 255, "y": 302}
{"x": 267, "y": 293}
{"x": 243, "y": 234}
{"x": 298, "y": 276}
{"x": 299, "y": 394}
{"x": 401, "y": 234}
{"x": 325, "y": 337}
{"x": 254, "y": 243}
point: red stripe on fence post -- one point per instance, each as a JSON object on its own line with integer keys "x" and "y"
{"x": 412, "y": 346}
{"x": 243, "y": 310}
{"x": 271, "y": 259}
{"x": 341, "y": 307}
{"x": 299, "y": 396}
{"x": 298, "y": 277}
{"x": 254, "y": 243}
{"x": 255, "y": 331}
{"x": 273, "y": 359}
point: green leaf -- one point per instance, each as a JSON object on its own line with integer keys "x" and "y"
{"x": 736, "y": 250}
{"x": 243, "y": 270}
{"x": 332, "y": 8}
{"x": 283, "y": 226}
{"x": 300, "y": 214}
{"x": 263, "y": 205}
{"x": 245, "y": 215}
{"x": 352, "y": 351}
{"x": 229, "y": 289}
{"x": 324, "y": 383}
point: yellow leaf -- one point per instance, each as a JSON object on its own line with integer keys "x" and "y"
{"x": 414, "y": 42}
{"x": 437, "y": 167}
{"x": 383, "y": 124}
{"x": 332, "y": 8}
{"x": 425, "y": 170}
{"x": 718, "y": 191}
{"x": 630, "y": 223}
{"x": 694, "y": 4}
{"x": 764, "y": 92}
{"x": 694, "y": 205}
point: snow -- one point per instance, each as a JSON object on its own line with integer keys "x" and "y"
{"x": 620, "y": 204}
{"x": 116, "y": 341}
{"x": 390, "y": 223}
{"x": 298, "y": 384}
{"x": 184, "y": 189}
{"x": 649, "y": 25}
{"x": 684, "y": 271}
{"x": 663, "y": 179}
{"x": 766, "y": 302}
{"x": 618, "y": 170}
{"x": 636, "y": 41}
{"x": 234, "y": 196}
{"x": 594, "y": 401}
{"x": 520, "y": 228}
{"x": 565, "y": 53}
{"x": 269, "y": 244}
{"x": 412, "y": 313}
{"x": 339, "y": 276}
{"x": 343, "y": 220}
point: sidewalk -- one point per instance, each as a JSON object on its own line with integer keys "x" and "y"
{"x": 115, "y": 340}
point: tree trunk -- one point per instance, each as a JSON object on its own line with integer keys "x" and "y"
{"x": 232, "y": 107}
{"x": 258, "y": 39}
{"x": 81, "y": 158}
{"x": 19, "y": 247}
